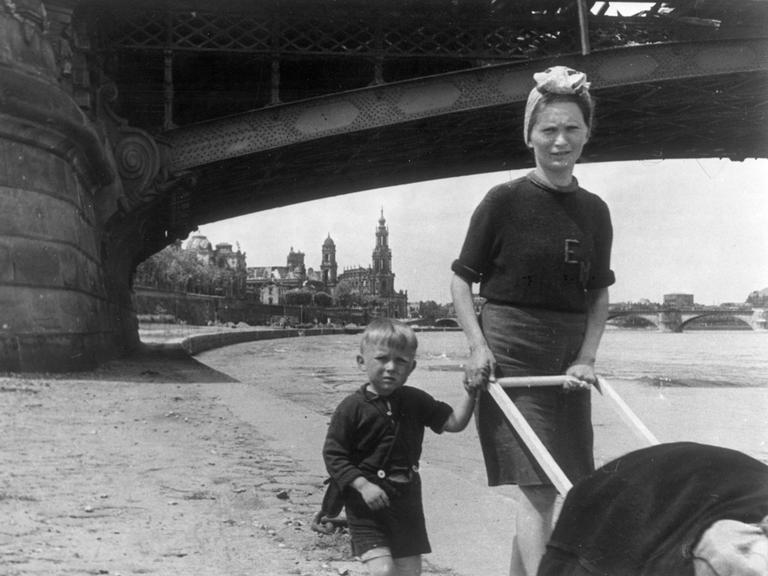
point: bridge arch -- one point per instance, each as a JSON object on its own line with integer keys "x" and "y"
{"x": 418, "y": 130}
{"x": 688, "y": 320}
{"x": 651, "y": 318}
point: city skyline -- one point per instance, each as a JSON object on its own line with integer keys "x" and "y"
{"x": 680, "y": 226}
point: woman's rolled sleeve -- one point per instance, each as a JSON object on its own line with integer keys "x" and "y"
{"x": 601, "y": 275}
{"x": 475, "y": 255}
{"x": 469, "y": 274}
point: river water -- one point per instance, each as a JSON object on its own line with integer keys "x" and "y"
{"x": 701, "y": 386}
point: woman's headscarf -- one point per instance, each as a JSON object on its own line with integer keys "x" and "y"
{"x": 555, "y": 80}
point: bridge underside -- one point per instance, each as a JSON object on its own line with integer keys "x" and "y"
{"x": 680, "y": 80}
{"x": 716, "y": 116}
{"x": 123, "y": 130}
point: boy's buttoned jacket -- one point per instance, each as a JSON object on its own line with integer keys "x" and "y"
{"x": 360, "y": 436}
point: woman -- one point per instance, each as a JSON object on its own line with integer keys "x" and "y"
{"x": 540, "y": 248}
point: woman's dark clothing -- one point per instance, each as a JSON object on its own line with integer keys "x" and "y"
{"x": 532, "y": 246}
{"x": 536, "y": 251}
{"x": 643, "y": 514}
{"x": 535, "y": 342}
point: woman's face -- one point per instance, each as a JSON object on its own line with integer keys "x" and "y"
{"x": 558, "y": 136}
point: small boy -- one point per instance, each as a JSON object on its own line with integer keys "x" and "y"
{"x": 373, "y": 447}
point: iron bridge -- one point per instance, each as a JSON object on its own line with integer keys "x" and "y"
{"x": 255, "y": 105}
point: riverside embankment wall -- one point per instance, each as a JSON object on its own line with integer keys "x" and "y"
{"x": 201, "y": 342}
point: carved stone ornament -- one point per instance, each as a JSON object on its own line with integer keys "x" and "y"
{"x": 31, "y": 13}
{"x": 136, "y": 154}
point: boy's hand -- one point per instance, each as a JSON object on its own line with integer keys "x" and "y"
{"x": 482, "y": 366}
{"x": 470, "y": 387}
{"x": 373, "y": 495}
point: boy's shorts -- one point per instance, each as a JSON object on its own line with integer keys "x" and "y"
{"x": 400, "y": 527}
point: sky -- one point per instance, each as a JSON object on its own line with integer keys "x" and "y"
{"x": 693, "y": 226}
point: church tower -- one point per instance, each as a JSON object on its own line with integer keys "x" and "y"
{"x": 383, "y": 278}
{"x": 328, "y": 267}
{"x": 295, "y": 262}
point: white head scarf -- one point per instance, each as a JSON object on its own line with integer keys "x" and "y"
{"x": 555, "y": 80}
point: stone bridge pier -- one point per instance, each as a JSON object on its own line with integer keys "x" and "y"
{"x": 759, "y": 319}
{"x": 65, "y": 301}
{"x": 670, "y": 321}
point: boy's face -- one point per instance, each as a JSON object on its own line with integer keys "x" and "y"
{"x": 387, "y": 368}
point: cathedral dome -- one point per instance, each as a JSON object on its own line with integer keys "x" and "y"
{"x": 199, "y": 243}
{"x": 329, "y": 243}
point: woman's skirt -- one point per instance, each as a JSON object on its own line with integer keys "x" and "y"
{"x": 533, "y": 342}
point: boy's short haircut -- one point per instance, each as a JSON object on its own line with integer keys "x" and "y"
{"x": 391, "y": 332}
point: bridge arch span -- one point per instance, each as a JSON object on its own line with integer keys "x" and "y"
{"x": 688, "y": 320}
{"x": 421, "y": 129}
{"x": 652, "y": 318}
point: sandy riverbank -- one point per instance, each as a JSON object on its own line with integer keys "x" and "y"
{"x": 140, "y": 468}
{"x": 159, "y": 464}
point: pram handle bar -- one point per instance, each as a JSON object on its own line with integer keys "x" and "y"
{"x": 532, "y": 441}
{"x": 626, "y": 413}
{"x": 531, "y": 381}
{"x": 603, "y": 386}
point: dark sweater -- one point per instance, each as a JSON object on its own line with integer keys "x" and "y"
{"x": 643, "y": 513}
{"x": 532, "y": 246}
{"x": 360, "y": 433}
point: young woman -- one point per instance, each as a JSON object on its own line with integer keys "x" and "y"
{"x": 539, "y": 247}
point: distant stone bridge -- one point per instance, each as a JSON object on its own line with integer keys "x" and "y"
{"x": 675, "y": 320}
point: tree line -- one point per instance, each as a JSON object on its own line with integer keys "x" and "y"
{"x": 176, "y": 269}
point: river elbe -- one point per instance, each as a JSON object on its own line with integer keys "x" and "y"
{"x": 702, "y": 386}
{"x": 709, "y": 387}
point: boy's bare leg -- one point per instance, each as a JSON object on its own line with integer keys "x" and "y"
{"x": 408, "y": 566}
{"x": 379, "y": 562}
{"x": 534, "y": 527}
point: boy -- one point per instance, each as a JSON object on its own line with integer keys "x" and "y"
{"x": 373, "y": 447}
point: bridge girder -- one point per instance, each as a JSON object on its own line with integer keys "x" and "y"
{"x": 652, "y": 104}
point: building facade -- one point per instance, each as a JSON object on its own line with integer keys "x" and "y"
{"x": 371, "y": 287}
{"x": 678, "y": 300}
{"x": 270, "y": 284}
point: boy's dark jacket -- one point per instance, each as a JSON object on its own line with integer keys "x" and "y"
{"x": 361, "y": 434}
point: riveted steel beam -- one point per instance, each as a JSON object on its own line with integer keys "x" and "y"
{"x": 456, "y": 93}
